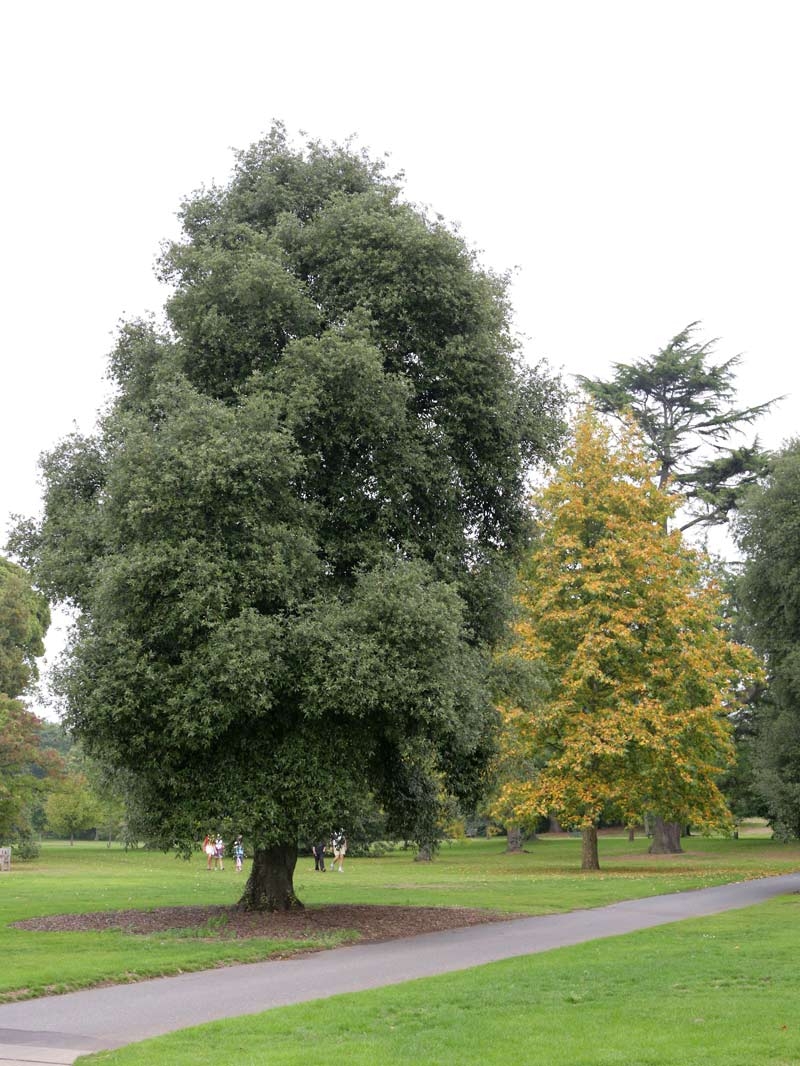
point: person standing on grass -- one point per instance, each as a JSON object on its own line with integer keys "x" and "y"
{"x": 238, "y": 853}
{"x": 210, "y": 850}
{"x": 339, "y": 846}
{"x": 219, "y": 851}
{"x": 318, "y": 851}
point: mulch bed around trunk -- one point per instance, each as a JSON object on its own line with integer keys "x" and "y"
{"x": 372, "y": 923}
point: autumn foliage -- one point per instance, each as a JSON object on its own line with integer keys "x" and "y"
{"x": 627, "y": 628}
{"x": 25, "y": 768}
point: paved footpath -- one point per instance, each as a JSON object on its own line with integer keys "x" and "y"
{"x": 57, "y": 1029}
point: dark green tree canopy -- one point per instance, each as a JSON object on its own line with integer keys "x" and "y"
{"x": 768, "y": 532}
{"x": 293, "y": 535}
{"x": 24, "y": 619}
{"x": 684, "y": 405}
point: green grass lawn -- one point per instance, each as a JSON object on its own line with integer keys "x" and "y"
{"x": 546, "y": 879}
{"x": 719, "y": 991}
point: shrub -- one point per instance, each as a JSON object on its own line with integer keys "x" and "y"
{"x": 26, "y": 849}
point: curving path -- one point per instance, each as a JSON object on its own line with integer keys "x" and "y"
{"x": 57, "y": 1029}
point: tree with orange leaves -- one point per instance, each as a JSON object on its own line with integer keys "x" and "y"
{"x": 627, "y": 628}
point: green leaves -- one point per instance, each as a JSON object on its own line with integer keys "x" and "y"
{"x": 682, "y": 404}
{"x": 24, "y": 619}
{"x": 293, "y": 534}
{"x": 72, "y": 807}
{"x": 768, "y": 531}
{"x": 25, "y": 767}
{"x": 620, "y": 618}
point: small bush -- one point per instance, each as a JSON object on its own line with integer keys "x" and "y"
{"x": 26, "y": 850}
{"x": 375, "y": 849}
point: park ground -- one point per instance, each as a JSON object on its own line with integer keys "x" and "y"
{"x": 97, "y": 915}
{"x": 681, "y": 994}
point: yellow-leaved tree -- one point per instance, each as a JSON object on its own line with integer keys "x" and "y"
{"x": 628, "y": 631}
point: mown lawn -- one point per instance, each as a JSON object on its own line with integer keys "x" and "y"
{"x": 721, "y": 991}
{"x": 546, "y": 879}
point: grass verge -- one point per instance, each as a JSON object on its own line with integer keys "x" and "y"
{"x": 546, "y": 879}
{"x": 719, "y": 991}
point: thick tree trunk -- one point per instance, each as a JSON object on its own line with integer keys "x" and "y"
{"x": 555, "y": 825}
{"x": 270, "y": 886}
{"x": 666, "y": 838}
{"x": 631, "y": 833}
{"x": 590, "y": 857}
{"x": 514, "y": 838}
{"x": 425, "y": 854}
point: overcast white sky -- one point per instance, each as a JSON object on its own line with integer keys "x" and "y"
{"x": 635, "y": 161}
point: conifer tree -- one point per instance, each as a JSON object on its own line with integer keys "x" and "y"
{"x": 684, "y": 405}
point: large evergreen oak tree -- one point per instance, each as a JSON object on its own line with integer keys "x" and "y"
{"x": 292, "y": 536}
